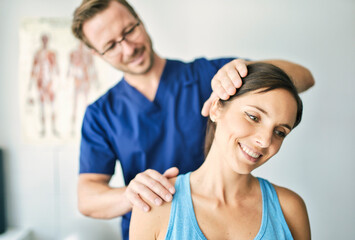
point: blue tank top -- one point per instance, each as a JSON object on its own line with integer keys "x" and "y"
{"x": 183, "y": 223}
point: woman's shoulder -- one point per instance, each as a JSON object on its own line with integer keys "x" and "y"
{"x": 289, "y": 198}
{"x": 295, "y": 212}
{"x": 152, "y": 224}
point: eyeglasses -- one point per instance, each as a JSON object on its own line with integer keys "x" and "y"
{"x": 130, "y": 35}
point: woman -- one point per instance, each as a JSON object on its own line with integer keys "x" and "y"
{"x": 221, "y": 199}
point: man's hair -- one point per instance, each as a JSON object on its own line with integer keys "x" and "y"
{"x": 263, "y": 77}
{"x": 87, "y": 10}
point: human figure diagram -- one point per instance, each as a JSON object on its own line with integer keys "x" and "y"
{"x": 44, "y": 70}
{"x": 82, "y": 70}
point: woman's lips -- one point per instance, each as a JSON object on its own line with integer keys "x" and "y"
{"x": 249, "y": 153}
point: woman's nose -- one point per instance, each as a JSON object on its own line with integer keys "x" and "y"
{"x": 264, "y": 138}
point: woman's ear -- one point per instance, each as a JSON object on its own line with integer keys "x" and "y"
{"x": 215, "y": 110}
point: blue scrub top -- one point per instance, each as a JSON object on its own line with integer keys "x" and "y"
{"x": 124, "y": 125}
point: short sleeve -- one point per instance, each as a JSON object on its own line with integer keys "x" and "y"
{"x": 96, "y": 154}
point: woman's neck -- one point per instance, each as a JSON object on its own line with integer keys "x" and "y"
{"x": 220, "y": 181}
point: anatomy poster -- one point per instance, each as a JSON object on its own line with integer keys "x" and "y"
{"x": 58, "y": 78}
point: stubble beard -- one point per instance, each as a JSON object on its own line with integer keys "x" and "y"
{"x": 138, "y": 52}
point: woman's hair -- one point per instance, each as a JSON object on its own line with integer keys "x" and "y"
{"x": 87, "y": 10}
{"x": 264, "y": 77}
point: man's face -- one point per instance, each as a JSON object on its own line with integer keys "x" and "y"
{"x": 133, "y": 56}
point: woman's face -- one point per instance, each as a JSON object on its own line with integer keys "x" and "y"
{"x": 250, "y": 129}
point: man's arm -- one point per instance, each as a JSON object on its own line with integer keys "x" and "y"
{"x": 300, "y": 76}
{"x": 98, "y": 200}
{"x": 229, "y": 78}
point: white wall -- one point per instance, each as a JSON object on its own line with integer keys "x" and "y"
{"x": 317, "y": 159}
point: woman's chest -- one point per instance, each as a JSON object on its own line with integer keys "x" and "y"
{"x": 239, "y": 222}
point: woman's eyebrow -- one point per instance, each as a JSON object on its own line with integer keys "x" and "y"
{"x": 260, "y": 109}
{"x": 266, "y": 113}
{"x": 286, "y": 126}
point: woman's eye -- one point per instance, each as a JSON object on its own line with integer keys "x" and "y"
{"x": 252, "y": 117}
{"x": 280, "y": 134}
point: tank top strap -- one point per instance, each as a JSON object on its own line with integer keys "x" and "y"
{"x": 183, "y": 223}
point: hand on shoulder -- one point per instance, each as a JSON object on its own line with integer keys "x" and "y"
{"x": 152, "y": 224}
{"x": 154, "y": 187}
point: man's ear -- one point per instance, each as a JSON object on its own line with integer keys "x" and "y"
{"x": 215, "y": 110}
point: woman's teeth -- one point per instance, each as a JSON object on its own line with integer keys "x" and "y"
{"x": 250, "y": 152}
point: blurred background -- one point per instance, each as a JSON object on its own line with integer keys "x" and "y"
{"x": 317, "y": 160}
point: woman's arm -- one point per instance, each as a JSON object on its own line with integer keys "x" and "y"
{"x": 143, "y": 225}
{"x": 295, "y": 212}
{"x": 152, "y": 224}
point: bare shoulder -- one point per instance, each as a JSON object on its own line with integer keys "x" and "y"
{"x": 290, "y": 200}
{"x": 152, "y": 224}
{"x": 295, "y": 212}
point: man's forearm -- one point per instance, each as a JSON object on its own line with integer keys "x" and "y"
{"x": 301, "y": 76}
{"x": 96, "y": 199}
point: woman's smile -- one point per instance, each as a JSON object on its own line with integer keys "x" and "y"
{"x": 249, "y": 153}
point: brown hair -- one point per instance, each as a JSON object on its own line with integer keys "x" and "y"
{"x": 263, "y": 76}
{"x": 87, "y": 10}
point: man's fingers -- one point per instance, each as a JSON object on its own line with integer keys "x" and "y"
{"x": 151, "y": 186}
{"x": 241, "y": 67}
{"x": 235, "y": 71}
{"x": 136, "y": 190}
{"x": 225, "y": 80}
{"x": 136, "y": 200}
{"x": 164, "y": 184}
{"x": 218, "y": 88}
{"x": 233, "y": 75}
{"x": 171, "y": 172}
{"x": 228, "y": 85}
{"x": 157, "y": 183}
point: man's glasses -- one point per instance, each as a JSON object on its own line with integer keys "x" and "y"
{"x": 130, "y": 35}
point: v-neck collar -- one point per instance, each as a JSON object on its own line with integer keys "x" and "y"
{"x": 142, "y": 101}
{"x": 193, "y": 218}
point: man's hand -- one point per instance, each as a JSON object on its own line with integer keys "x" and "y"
{"x": 153, "y": 186}
{"x": 225, "y": 82}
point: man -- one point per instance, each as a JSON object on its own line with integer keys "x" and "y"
{"x": 151, "y": 119}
